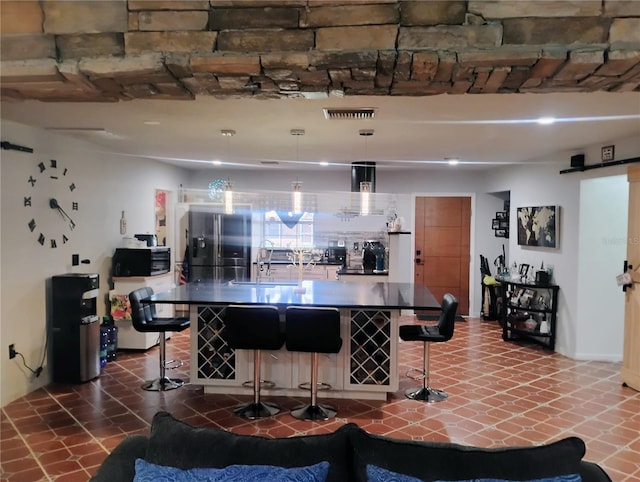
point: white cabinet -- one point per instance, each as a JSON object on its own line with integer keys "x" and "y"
{"x": 128, "y": 336}
{"x": 332, "y": 272}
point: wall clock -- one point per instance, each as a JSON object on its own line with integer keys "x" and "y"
{"x": 51, "y": 204}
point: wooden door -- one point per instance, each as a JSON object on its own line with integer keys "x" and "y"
{"x": 630, "y": 371}
{"x": 442, "y": 251}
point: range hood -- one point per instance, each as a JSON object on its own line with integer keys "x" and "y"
{"x": 363, "y": 172}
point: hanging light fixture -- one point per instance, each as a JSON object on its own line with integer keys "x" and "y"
{"x": 296, "y": 197}
{"x": 366, "y": 187}
{"x": 228, "y": 187}
{"x": 228, "y": 197}
{"x": 296, "y": 191}
{"x": 365, "y": 198}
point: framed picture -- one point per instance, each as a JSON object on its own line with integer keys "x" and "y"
{"x": 495, "y": 224}
{"x": 500, "y": 233}
{"x": 526, "y": 298}
{"x": 538, "y": 226}
{"x": 503, "y": 224}
{"x": 501, "y": 215}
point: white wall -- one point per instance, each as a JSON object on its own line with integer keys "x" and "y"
{"x": 544, "y": 185}
{"x": 106, "y": 186}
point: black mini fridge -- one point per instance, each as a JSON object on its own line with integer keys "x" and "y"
{"x": 74, "y": 328}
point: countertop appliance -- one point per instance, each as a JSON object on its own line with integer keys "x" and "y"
{"x": 74, "y": 328}
{"x": 150, "y": 239}
{"x": 373, "y": 258}
{"x": 220, "y": 245}
{"x": 149, "y": 261}
{"x": 337, "y": 255}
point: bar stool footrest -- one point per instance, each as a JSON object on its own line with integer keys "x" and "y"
{"x": 314, "y": 413}
{"x": 420, "y": 374}
{"x": 254, "y": 411}
{"x": 162, "y": 384}
{"x": 173, "y": 364}
{"x": 319, "y": 386}
{"x": 264, "y": 384}
{"x": 428, "y": 394}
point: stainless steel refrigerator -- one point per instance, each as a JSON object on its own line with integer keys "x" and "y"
{"x": 220, "y": 245}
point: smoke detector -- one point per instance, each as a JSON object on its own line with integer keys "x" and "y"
{"x": 349, "y": 114}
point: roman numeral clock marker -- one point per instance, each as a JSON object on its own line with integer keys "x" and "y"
{"x": 51, "y": 204}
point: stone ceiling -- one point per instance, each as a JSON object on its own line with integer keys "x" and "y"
{"x": 109, "y": 51}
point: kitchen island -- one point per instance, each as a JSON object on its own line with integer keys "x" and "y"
{"x": 366, "y": 367}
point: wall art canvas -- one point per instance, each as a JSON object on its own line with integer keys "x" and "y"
{"x": 538, "y": 226}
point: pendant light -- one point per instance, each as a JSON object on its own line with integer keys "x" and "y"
{"x": 296, "y": 197}
{"x": 296, "y": 191}
{"x": 366, "y": 187}
{"x": 365, "y": 198}
{"x": 228, "y": 187}
{"x": 228, "y": 197}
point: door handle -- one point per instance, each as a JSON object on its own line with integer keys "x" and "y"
{"x": 626, "y": 267}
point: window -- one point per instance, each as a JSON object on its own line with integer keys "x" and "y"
{"x": 298, "y": 236}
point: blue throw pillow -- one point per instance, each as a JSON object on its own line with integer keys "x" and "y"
{"x": 378, "y": 474}
{"x": 148, "y": 472}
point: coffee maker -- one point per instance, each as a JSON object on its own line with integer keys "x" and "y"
{"x": 337, "y": 254}
{"x": 373, "y": 252}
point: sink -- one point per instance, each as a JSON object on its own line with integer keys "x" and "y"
{"x": 263, "y": 283}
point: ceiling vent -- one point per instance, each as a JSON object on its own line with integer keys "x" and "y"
{"x": 92, "y": 133}
{"x": 349, "y": 114}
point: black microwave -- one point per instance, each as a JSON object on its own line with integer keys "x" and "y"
{"x": 149, "y": 261}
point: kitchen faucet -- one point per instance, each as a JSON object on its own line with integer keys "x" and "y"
{"x": 261, "y": 260}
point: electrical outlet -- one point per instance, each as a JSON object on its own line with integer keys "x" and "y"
{"x": 75, "y": 259}
{"x": 12, "y": 351}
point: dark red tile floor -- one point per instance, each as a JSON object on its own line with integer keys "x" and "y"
{"x": 499, "y": 394}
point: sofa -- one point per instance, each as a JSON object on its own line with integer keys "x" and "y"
{"x": 177, "y": 451}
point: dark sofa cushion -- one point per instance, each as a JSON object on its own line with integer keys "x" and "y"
{"x": 181, "y": 445}
{"x": 431, "y": 461}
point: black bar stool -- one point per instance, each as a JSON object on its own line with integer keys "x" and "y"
{"x": 441, "y": 332}
{"x": 144, "y": 319}
{"x": 254, "y": 327}
{"x": 313, "y": 330}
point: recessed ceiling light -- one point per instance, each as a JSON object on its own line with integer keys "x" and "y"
{"x": 546, "y": 120}
{"x": 216, "y": 163}
{"x": 324, "y": 163}
{"x": 151, "y": 123}
{"x": 452, "y": 161}
{"x": 228, "y": 132}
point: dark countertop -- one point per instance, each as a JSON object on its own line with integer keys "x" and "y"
{"x": 338, "y": 294}
{"x": 362, "y": 271}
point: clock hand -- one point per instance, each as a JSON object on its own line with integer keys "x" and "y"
{"x": 53, "y": 204}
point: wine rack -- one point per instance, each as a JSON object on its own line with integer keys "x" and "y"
{"x": 370, "y": 347}
{"x": 215, "y": 358}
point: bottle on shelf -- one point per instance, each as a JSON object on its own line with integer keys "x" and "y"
{"x": 123, "y": 224}
{"x": 544, "y": 325}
